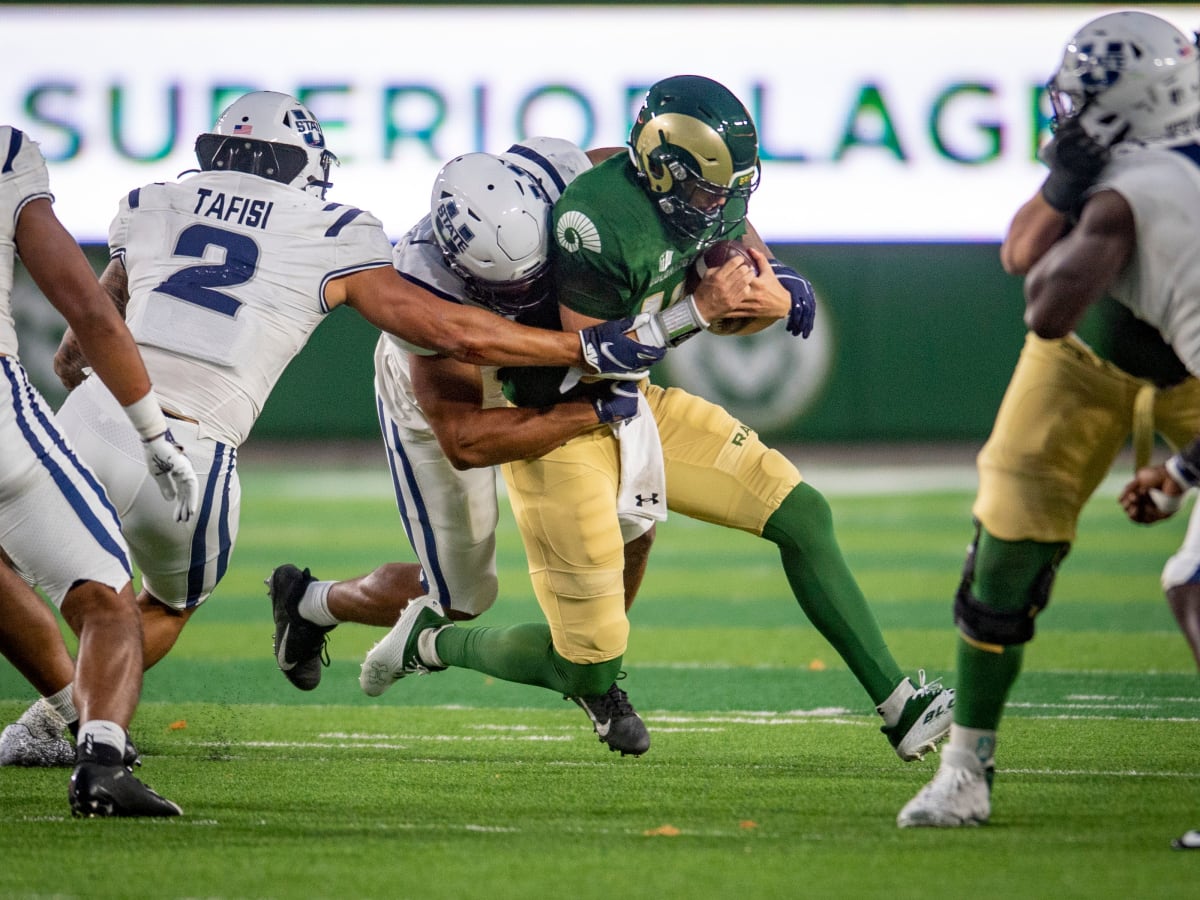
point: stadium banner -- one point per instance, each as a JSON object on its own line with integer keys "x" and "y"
{"x": 890, "y": 122}
{"x": 896, "y": 141}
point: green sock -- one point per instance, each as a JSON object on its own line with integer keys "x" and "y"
{"x": 526, "y": 655}
{"x": 983, "y": 682}
{"x": 1004, "y": 572}
{"x": 802, "y": 527}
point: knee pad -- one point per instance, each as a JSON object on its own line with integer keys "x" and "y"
{"x": 986, "y": 624}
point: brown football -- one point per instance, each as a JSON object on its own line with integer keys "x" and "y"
{"x": 715, "y": 256}
{"x": 719, "y": 253}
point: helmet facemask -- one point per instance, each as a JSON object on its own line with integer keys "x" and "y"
{"x": 510, "y": 299}
{"x": 1129, "y": 75}
{"x": 696, "y": 207}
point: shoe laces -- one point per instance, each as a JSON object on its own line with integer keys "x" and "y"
{"x": 926, "y": 689}
{"x": 616, "y": 701}
{"x": 949, "y": 780}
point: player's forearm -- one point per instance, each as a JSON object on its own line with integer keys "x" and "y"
{"x": 489, "y": 437}
{"x": 487, "y": 339}
{"x": 1033, "y": 231}
{"x": 64, "y": 275}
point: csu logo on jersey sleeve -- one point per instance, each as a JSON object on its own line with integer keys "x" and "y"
{"x": 575, "y": 232}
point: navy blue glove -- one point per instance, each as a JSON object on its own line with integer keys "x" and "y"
{"x": 1076, "y": 160}
{"x": 620, "y": 403}
{"x": 804, "y": 301}
{"x": 607, "y": 350}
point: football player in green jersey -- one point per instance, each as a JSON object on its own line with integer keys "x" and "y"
{"x": 626, "y": 233}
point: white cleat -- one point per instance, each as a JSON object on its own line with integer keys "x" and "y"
{"x": 924, "y": 722}
{"x": 398, "y": 654}
{"x": 959, "y": 794}
{"x": 37, "y": 739}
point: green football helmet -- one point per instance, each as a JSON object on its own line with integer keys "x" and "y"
{"x": 695, "y": 149}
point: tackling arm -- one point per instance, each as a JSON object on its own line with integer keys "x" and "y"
{"x": 1076, "y": 271}
{"x": 478, "y": 337}
{"x": 450, "y": 393}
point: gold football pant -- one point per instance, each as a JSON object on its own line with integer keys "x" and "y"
{"x": 1064, "y": 418}
{"x": 565, "y": 503}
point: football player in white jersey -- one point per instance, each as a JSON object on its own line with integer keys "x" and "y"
{"x": 1118, "y": 216}
{"x": 222, "y": 276}
{"x": 445, "y": 423}
{"x": 1141, "y": 221}
{"x": 57, "y": 527}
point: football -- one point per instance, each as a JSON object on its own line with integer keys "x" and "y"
{"x": 720, "y": 253}
{"x": 715, "y": 256}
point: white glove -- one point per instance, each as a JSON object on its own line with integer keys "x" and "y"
{"x": 174, "y": 473}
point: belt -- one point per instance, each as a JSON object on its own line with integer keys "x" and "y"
{"x": 177, "y": 417}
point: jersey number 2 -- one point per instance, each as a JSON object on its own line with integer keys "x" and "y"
{"x": 199, "y": 284}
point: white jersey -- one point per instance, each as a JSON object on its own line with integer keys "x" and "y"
{"x": 23, "y": 178}
{"x": 1161, "y": 283}
{"x": 227, "y": 276}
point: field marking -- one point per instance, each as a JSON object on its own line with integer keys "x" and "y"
{"x": 852, "y": 480}
{"x": 1123, "y": 773}
{"x": 831, "y": 480}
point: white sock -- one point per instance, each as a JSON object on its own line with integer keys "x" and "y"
{"x": 976, "y": 745}
{"x": 893, "y": 706}
{"x": 314, "y": 605}
{"x": 102, "y": 731}
{"x": 63, "y": 703}
{"x": 427, "y": 647}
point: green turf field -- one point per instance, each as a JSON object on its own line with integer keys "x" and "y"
{"x": 767, "y": 776}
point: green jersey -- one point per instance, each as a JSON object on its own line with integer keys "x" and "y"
{"x": 613, "y": 256}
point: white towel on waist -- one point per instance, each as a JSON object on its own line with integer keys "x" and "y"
{"x": 642, "y": 494}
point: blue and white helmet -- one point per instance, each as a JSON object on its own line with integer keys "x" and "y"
{"x": 271, "y": 135}
{"x": 1129, "y": 68}
{"x": 492, "y": 223}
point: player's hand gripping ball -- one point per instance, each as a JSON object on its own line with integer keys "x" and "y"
{"x": 715, "y": 256}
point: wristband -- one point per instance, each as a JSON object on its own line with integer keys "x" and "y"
{"x": 1063, "y": 191}
{"x": 147, "y": 416}
{"x": 1164, "y": 502}
{"x": 681, "y": 320}
{"x": 1185, "y": 473}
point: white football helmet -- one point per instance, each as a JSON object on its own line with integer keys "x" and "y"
{"x": 271, "y": 135}
{"x": 554, "y": 162}
{"x": 491, "y": 220}
{"x": 1129, "y": 68}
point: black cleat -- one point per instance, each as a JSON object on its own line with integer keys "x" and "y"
{"x": 98, "y": 790}
{"x": 299, "y": 644}
{"x": 615, "y": 721}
